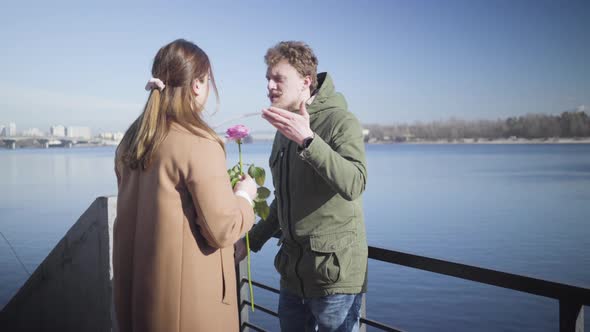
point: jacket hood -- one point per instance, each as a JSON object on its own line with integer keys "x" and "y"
{"x": 326, "y": 97}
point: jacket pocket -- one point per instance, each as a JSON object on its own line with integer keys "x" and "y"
{"x": 331, "y": 254}
{"x": 281, "y": 262}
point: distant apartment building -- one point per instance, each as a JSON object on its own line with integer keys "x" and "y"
{"x": 10, "y": 130}
{"x": 111, "y": 136}
{"x": 57, "y": 131}
{"x": 33, "y": 132}
{"x": 78, "y": 132}
{"x": 2, "y": 127}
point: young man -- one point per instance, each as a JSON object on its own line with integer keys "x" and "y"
{"x": 319, "y": 173}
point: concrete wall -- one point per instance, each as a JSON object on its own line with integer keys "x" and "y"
{"x": 71, "y": 289}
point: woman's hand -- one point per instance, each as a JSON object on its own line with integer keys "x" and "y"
{"x": 247, "y": 185}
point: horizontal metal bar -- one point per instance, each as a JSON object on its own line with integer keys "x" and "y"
{"x": 261, "y": 285}
{"x": 261, "y": 308}
{"x": 530, "y": 285}
{"x": 252, "y": 326}
{"x": 379, "y": 325}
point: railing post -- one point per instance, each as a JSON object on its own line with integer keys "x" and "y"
{"x": 571, "y": 317}
{"x": 363, "y": 326}
{"x": 243, "y": 294}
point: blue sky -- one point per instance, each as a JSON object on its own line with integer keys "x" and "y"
{"x": 395, "y": 61}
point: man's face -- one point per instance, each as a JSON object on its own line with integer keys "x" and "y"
{"x": 285, "y": 86}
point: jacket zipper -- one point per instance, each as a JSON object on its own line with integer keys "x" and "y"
{"x": 288, "y": 212}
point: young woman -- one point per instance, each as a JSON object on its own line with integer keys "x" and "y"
{"x": 177, "y": 215}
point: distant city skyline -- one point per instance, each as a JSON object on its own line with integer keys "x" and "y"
{"x": 60, "y": 130}
{"x": 395, "y": 61}
{"x": 11, "y": 130}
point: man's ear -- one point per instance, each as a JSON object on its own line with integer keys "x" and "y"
{"x": 307, "y": 81}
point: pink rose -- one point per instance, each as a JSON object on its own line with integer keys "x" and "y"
{"x": 237, "y": 132}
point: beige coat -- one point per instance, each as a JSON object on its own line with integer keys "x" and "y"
{"x": 173, "y": 251}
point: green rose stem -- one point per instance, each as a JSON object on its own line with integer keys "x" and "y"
{"x": 240, "y": 154}
{"x": 247, "y": 237}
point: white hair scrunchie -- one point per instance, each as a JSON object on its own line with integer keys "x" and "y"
{"x": 155, "y": 83}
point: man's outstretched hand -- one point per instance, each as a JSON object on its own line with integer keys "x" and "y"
{"x": 294, "y": 125}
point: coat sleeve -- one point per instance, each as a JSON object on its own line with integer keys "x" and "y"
{"x": 265, "y": 229}
{"x": 340, "y": 160}
{"x": 222, "y": 216}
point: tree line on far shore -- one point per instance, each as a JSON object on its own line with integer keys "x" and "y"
{"x": 574, "y": 124}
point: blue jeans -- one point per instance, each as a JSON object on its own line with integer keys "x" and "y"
{"x": 332, "y": 313}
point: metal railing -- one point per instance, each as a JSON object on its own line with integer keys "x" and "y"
{"x": 572, "y": 299}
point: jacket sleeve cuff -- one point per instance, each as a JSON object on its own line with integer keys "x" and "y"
{"x": 245, "y": 195}
{"x": 262, "y": 232}
{"x": 314, "y": 152}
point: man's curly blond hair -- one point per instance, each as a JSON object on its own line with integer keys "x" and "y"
{"x": 299, "y": 55}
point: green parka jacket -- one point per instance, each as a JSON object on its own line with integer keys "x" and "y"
{"x": 318, "y": 204}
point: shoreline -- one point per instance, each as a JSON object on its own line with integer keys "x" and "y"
{"x": 585, "y": 140}
{"x": 538, "y": 141}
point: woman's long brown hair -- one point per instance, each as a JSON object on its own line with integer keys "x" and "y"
{"x": 177, "y": 64}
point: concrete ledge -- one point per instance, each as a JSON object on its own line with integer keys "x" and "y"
{"x": 71, "y": 289}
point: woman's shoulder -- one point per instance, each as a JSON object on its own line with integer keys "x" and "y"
{"x": 190, "y": 133}
{"x": 188, "y": 139}
{"x": 191, "y": 149}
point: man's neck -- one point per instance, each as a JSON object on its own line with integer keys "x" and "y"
{"x": 304, "y": 97}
